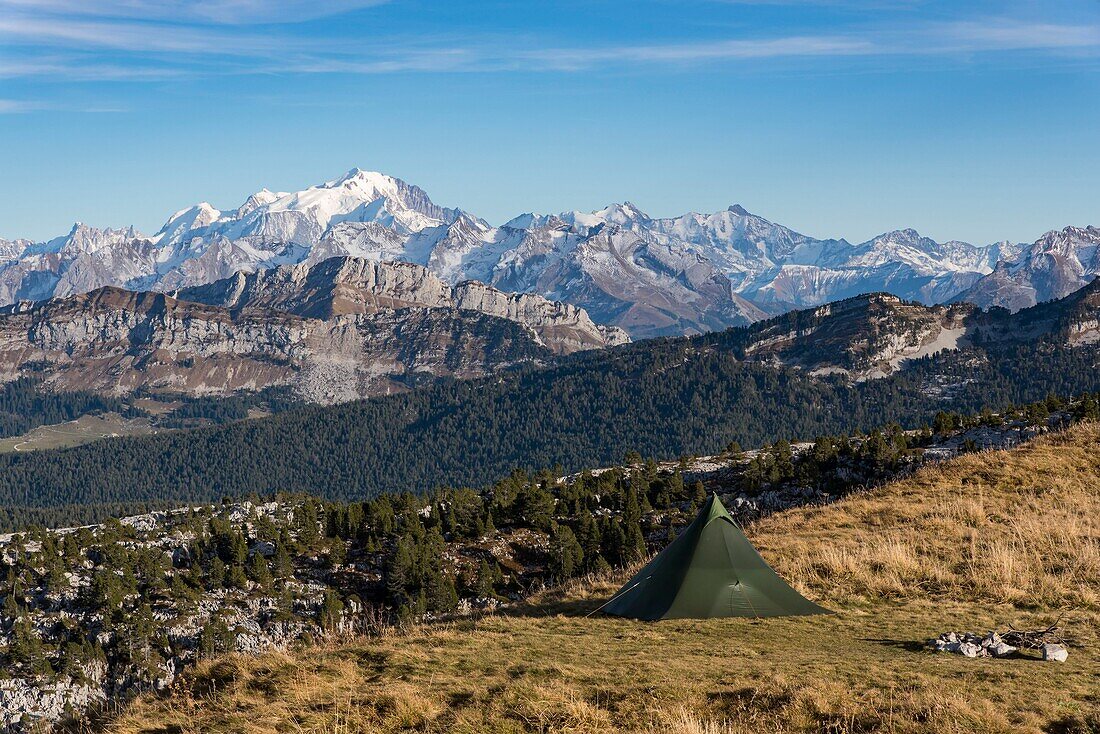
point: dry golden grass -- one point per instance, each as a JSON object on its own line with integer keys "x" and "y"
{"x": 891, "y": 562}
{"x": 1019, "y": 527}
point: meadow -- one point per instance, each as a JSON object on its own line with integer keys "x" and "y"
{"x": 981, "y": 542}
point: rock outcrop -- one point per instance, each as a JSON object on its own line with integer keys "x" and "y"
{"x": 874, "y": 335}
{"x": 117, "y": 341}
{"x": 1059, "y": 263}
{"x": 341, "y": 286}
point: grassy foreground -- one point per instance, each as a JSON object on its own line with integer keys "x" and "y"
{"x": 977, "y": 543}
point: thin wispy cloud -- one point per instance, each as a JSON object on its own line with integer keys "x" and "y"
{"x": 140, "y": 40}
{"x": 230, "y": 12}
{"x": 938, "y": 39}
{"x": 16, "y": 106}
{"x": 686, "y": 53}
{"x": 996, "y": 34}
{"x": 78, "y": 69}
{"x": 21, "y": 106}
{"x": 133, "y": 36}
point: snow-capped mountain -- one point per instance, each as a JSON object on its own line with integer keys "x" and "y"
{"x": 1058, "y": 264}
{"x": 651, "y": 276}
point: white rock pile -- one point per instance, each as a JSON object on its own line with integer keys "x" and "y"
{"x": 990, "y": 645}
{"x": 972, "y": 645}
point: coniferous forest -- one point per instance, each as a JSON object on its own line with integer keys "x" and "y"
{"x": 661, "y": 398}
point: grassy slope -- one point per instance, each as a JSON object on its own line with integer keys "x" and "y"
{"x": 85, "y": 429}
{"x": 980, "y": 542}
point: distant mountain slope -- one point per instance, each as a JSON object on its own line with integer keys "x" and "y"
{"x": 652, "y": 276}
{"x": 338, "y": 330}
{"x": 1055, "y": 266}
{"x": 663, "y": 397}
{"x": 340, "y": 286}
{"x": 115, "y": 342}
{"x": 871, "y": 336}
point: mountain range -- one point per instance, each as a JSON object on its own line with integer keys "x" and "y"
{"x": 336, "y": 330}
{"x": 346, "y": 328}
{"x": 650, "y": 276}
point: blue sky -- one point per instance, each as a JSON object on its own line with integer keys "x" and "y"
{"x": 968, "y": 120}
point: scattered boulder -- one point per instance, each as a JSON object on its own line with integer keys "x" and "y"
{"x": 1053, "y": 652}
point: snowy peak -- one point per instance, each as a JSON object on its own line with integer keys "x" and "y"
{"x": 303, "y": 217}
{"x": 624, "y": 214}
{"x": 179, "y": 225}
{"x": 1059, "y": 263}
{"x": 263, "y": 197}
{"x": 652, "y": 275}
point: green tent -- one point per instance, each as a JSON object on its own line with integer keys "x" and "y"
{"x": 709, "y": 570}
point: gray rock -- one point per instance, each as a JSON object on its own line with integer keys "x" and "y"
{"x": 970, "y": 650}
{"x": 1054, "y": 653}
{"x": 1001, "y": 650}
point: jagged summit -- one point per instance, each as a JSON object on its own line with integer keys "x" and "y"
{"x": 651, "y": 275}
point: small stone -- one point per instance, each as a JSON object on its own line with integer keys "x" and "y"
{"x": 992, "y": 639}
{"x": 1001, "y": 650}
{"x": 1054, "y": 653}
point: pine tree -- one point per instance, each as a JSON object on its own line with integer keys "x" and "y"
{"x": 588, "y": 535}
{"x": 236, "y": 578}
{"x": 614, "y": 544}
{"x": 26, "y": 649}
{"x": 284, "y": 565}
{"x": 215, "y": 638}
{"x": 566, "y": 554}
{"x": 398, "y": 570}
{"x": 535, "y": 506}
{"x": 483, "y": 584}
{"x": 441, "y": 593}
{"x": 258, "y": 571}
{"x": 633, "y": 540}
{"x": 330, "y": 611}
{"x": 698, "y": 494}
{"x": 216, "y": 574}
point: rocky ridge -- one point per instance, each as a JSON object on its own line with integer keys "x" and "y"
{"x": 874, "y": 335}
{"x": 345, "y": 328}
{"x": 341, "y": 286}
{"x": 116, "y": 342}
{"x": 1058, "y": 264}
{"x": 335, "y": 330}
